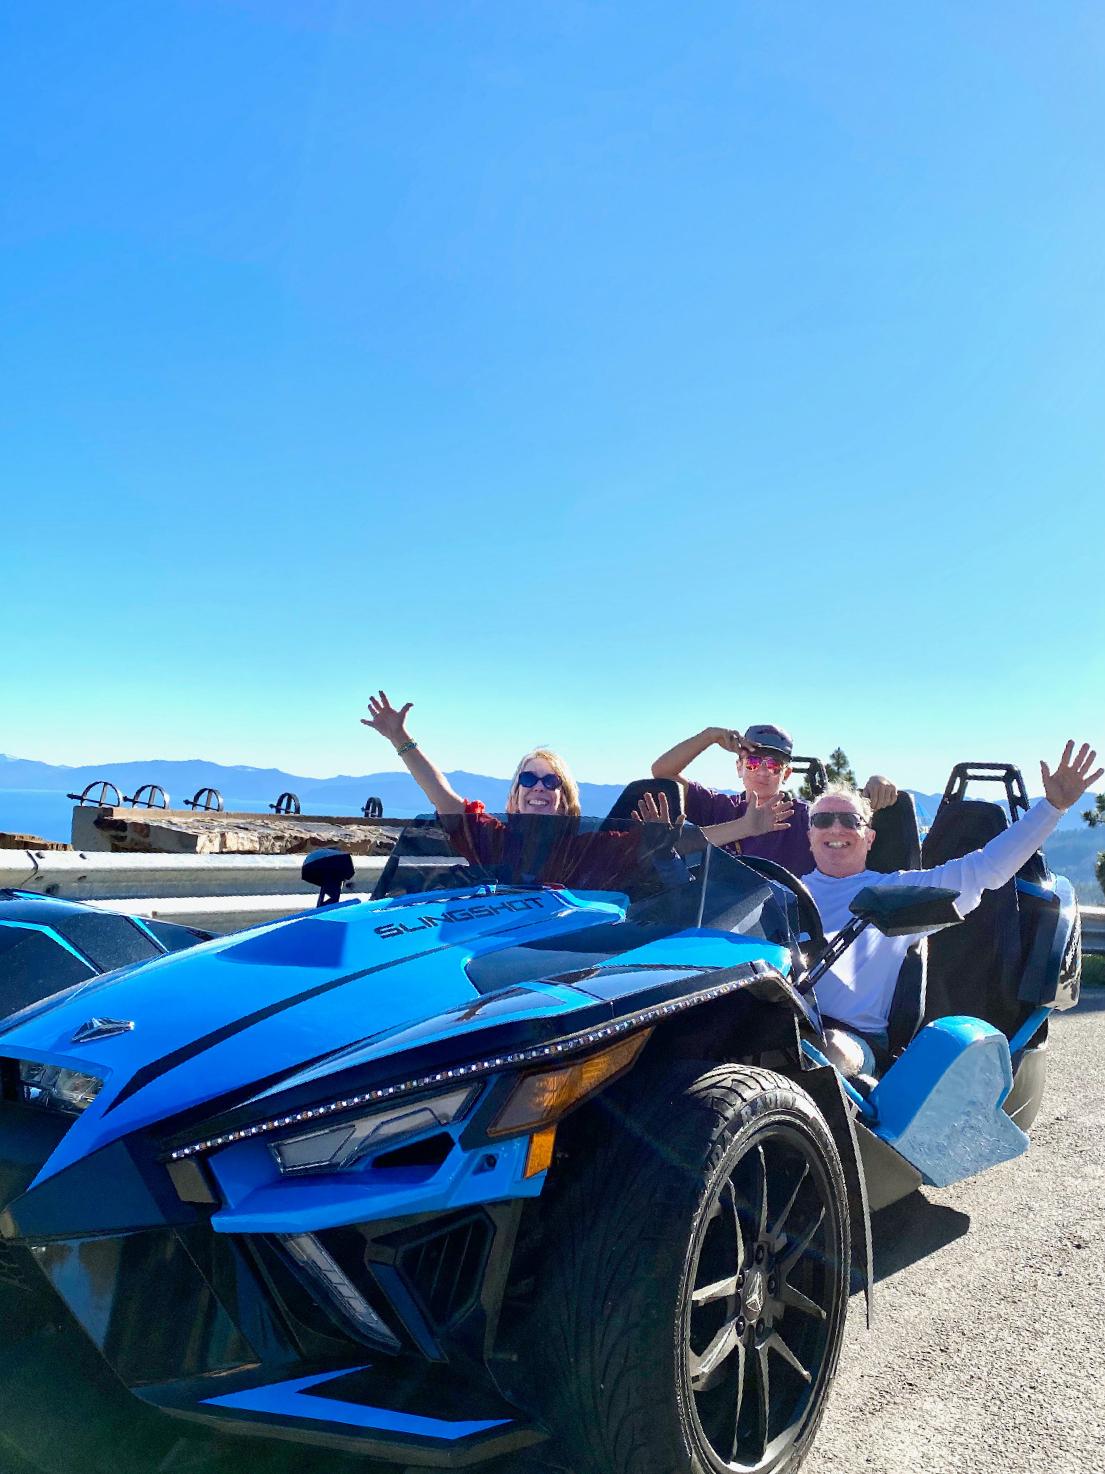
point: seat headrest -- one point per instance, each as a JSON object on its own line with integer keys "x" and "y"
{"x": 897, "y": 837}
{"x": 962, "y": 825}
{"x": 632, "y": 794}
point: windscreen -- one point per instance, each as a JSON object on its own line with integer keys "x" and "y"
{"x": 448, "y": 850}
{"x": 669, "y": 877}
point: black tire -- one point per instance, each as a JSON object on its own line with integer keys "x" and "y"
{"x": 659, "y": 1249}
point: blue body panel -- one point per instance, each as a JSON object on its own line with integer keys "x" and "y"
{"x": 345, "y": 984}
{"x": 258, "y": 1200}
{"x": 940, "y": 1104}
{"x": 292, "y": 1399}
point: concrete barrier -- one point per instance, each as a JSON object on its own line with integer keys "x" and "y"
{"x": 219, "y": 914}
{"x": 1093, "y": 930}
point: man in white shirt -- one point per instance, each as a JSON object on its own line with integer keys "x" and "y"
{"x": 856, "y": 993}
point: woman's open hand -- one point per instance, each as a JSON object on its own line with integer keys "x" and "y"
{"x": 653, "y": 809}
{"x": 383, "y": 718}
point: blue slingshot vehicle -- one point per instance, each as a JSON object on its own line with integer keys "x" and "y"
{"x": 539, "y": 1141}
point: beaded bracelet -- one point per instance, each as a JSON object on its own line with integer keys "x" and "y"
{"x": 406, "y": 747}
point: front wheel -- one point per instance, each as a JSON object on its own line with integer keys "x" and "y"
{"x": 696, "y": 1284}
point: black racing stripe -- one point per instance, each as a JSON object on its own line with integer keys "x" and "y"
{"x": 167, "y": 1062}
{"x": 242, "y": 1095}
{"x": 337, "y": 1056}
{"x": 158, "y": 1067}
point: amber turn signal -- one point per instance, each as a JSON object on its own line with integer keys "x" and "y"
{"x": 541, "y": 1099}
{"x": 539, "y": 1154}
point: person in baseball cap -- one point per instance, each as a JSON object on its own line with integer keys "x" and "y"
{"x": 763, "y": 820}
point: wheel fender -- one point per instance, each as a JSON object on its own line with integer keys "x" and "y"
{"x": 822, "y": 1084}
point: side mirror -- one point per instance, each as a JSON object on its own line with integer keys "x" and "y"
{"x": 329, "y": 870}
{"x": 906, "y": 910}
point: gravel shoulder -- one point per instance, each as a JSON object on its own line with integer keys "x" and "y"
{"x": 987, "y": 1355}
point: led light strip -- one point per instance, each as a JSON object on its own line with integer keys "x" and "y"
{"x": 487, "y": 1066}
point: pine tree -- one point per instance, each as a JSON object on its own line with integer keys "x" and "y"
{"x": 838, "y": 770}
{"x": 1093, "y": 818}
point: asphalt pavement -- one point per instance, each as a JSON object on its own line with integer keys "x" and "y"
{"x": 987, "y": 1353}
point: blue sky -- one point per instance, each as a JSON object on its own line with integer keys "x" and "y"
{"x": 586, "y": 373}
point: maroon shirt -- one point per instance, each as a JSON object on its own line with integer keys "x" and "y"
{"x": 789, "y": 847}
{"x": 560, "y": 855}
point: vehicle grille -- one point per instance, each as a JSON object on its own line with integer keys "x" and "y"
{"x": 444, "y": 1270}
{"x": 16, "y": 1272}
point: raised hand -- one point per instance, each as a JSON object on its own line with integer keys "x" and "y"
{"x": 769, "y": 818}
{"x": 730, "y": 739}
{"x": 649, "y": 811}
{"x": 1072, "y": 776}
{"x": 383, "y": 718}
{"x": 880, "y": 792}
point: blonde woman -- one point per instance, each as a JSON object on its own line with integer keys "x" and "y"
{"x": 541, "y": 784}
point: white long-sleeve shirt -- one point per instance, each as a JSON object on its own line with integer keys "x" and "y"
{"x": 859, "y": 989}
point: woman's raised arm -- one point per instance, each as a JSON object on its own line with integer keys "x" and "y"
{"x": 392, "y": 724}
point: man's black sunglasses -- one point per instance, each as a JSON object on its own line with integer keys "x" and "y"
{"x": 828, "y": 817}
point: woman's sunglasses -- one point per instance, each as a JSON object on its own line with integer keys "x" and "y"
{"x": 837, "y": 816}
{"x": 772, "y": 764}
{"x": 550, "y": 781}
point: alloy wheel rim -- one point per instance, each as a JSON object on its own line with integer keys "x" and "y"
{"x": 759, "y": 1301}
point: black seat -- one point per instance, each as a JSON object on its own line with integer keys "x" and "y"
{"x": 975, "y": 968}
{"x": 897, "y": 837}
{"x": 632, "y": 794}
{"x": 898, "y": 847}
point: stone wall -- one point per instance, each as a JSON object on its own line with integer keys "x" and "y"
{"x": 29, "y": 842}
{"x": 184, "y": 832}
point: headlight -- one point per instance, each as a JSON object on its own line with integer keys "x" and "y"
{"x": 341, "y": 1144}
{"x": 56, "y": 1088}
{"x": 539, "y": 1100}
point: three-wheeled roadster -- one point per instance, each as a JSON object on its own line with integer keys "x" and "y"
{"x": 538, "y": 1142}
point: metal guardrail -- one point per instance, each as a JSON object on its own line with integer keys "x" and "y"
{"x": 220, "y": 893}
{"x": 226, "y": 892}
{"x": 1093, "y": 930}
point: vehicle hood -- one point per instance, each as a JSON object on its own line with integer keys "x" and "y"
{"x": 239, "y": 1013}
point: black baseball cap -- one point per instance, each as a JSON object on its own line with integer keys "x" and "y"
{"x": 769, "y": 739}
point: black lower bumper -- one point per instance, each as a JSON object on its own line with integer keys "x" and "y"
{"x": 399, "y": 1411}
{"x": 219, "y": 1329}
